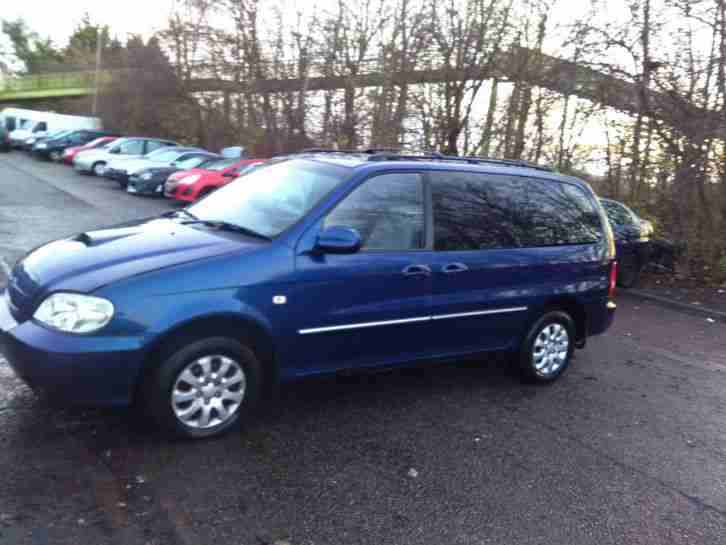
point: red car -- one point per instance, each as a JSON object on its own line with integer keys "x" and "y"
{"x": 193, "y": 184}
{"x": 70, "y": 153}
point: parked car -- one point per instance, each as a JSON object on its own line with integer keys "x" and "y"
{"x": 191, "y": 185}
{"x": 150, "y": 180}
{"x": 53, "y": 147}
{"x": 70, "y": 153}
{"x": 632, "y": 241}
{"x": 312, "y": 265}
{"x": 95, "y": 160}
{"x": 121, "y": 170}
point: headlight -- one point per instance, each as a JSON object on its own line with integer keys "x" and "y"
{"x": 146, "y": 176}
{"x": 74, "y": 313}
{"x": 189, "y": 180}
{"x": 42, "y": 145}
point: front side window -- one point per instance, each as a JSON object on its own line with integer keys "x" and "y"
{"x": 475, "y": 211}
{"x": 387, "y": 211}
{"x": 271, "y": 198}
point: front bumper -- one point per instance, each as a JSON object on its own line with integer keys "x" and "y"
{"x": 121, "y": 176}
{"x": 82, "y": 165}
{"x": 184, "y": 193}
{"x": 145, "y": 187}
{"x": 74, "y": 369}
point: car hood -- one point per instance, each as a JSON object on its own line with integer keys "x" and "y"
{"x": 94, "y": 259}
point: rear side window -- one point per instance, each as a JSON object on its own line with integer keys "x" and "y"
{"x": 387, "y": 211}
{"x": 475, "y": 211}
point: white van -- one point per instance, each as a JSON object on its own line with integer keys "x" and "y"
{"x": 22, "y": 124}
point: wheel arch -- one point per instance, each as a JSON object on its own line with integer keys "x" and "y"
{"x": 222, "y": 324}
{"x": 576, "y": 310}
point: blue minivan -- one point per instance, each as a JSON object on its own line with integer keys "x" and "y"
{"x": 313, "y": 264}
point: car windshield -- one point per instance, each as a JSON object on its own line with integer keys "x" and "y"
{"x": 191, "y": 162}
{"x": 98, "y": 142}
{"x": 221, "y": 165}
{"x": 271, "y": 198}
{"x": 617, "y": 213}
{"x": 164, "y": 155}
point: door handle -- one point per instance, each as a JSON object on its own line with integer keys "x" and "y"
{"x": 417, "y": 270}
{"x": 452, "y": 268}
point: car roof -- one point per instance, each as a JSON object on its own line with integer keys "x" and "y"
{"x": 365, "y": 161}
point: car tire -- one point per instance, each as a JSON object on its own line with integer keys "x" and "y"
{"x": 55, "y": 156}
{"x": 198, "y": 383}
{"x": 547, "y": 348}
{"x": 98, "y": 168}
{"x": 206, "y": 192}
{"x": 629, "y": 270}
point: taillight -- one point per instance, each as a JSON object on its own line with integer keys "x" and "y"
{"x": 613, "y": 279}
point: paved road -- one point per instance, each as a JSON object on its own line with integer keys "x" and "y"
{"x": 629, "y": 447}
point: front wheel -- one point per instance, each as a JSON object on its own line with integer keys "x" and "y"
{"x": 547, "y": 349}
{"x": 204, "y": 388}
{"x": 99, "y": 168}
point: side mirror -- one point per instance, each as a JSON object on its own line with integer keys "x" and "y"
{"x": 338, "y": 240}
{"x": 114, "y": 150}
{"x": 230, "y": 174}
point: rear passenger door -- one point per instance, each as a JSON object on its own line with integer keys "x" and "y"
{"x": 504, "y": 245}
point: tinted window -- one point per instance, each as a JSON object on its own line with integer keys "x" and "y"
{"x": 387, "y": 211}
{"x": 481, "y": 211}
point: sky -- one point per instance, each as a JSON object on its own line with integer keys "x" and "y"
{"x": 57, "y": 19}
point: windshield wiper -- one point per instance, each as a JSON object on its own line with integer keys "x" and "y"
{"x": 227, "y": 226}
{"x": 181, "y": 211}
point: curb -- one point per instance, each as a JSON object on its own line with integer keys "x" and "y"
{"x": 672, "y": 303}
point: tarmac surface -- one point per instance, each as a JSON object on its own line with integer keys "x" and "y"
{"x": 628, "y": 447}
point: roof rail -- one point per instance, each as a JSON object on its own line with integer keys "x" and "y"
{"x": 436, "y": 156}
{"x": 349, "y": 151}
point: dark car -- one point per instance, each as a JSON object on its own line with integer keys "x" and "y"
{"x": 53, "y": 147}
{"x": 150, "y": 180}
{"x": 320, "y": 263}
{"x": 632, "y": 241}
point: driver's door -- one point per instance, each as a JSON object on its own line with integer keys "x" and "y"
{"x": 371, "y": 307}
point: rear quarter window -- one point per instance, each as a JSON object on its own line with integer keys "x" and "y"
{"x": 474, "y": 211}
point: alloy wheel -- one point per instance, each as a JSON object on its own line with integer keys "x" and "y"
{"x": 208, "y": 392}
{"x": 550, "y": 349}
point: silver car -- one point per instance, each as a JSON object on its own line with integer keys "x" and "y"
{"x": 95, "y": 160}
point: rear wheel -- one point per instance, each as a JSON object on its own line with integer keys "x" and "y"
{"x": 548, "y": 347}
{"x": 203, "y": 389}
